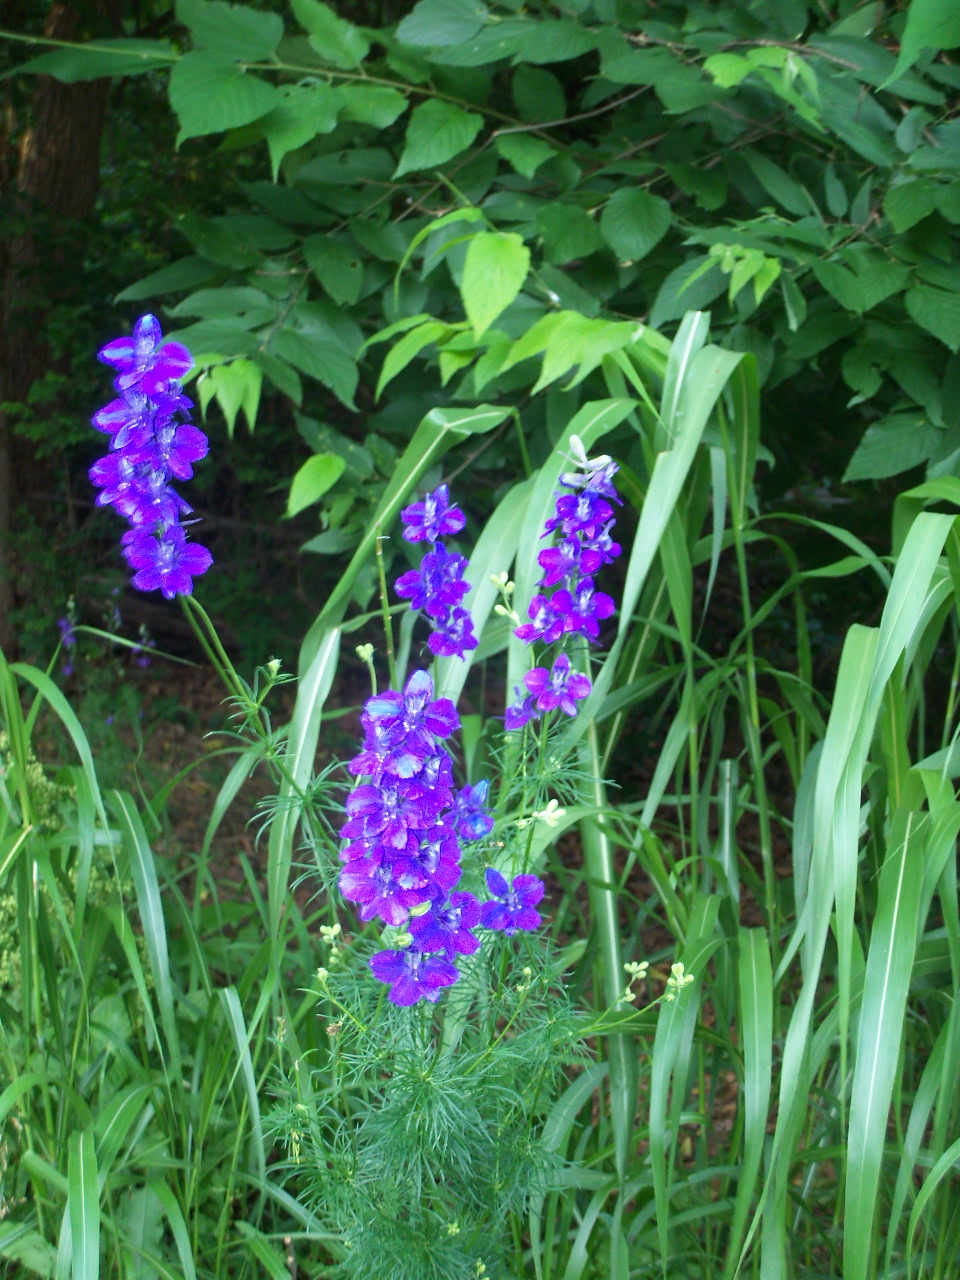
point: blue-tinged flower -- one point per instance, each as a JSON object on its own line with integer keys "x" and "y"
{"x": 143, "y": 353}
{"x": 560, "y": 687}
{"x": 414, "y": 716}
{"x": 433, "y": 862}
{"x": 377, "y": 892}
{"x": 453, "y": 634}
{"x": 385, "y": 813}
{"x": 513, "y": 906}
{"x": 570, "y": 559}
{"x": 447, "y": 926}
{"x": 473, "y": 819}
{"x": 584, "y": 514}
{"x": 432, "y": 518}
{"x": 68, "y": 638}
{"x": 548, "y": 620}
{"x": 165, "y": 561}
{"x": 584, "y": 609}
{"x": 172, "y": 450}
{"x": 521, "y": 712}
{"x": 437, "y": 585}
{"x": 413, "y": 976}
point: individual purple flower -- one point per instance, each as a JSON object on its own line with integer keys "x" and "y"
{"x": 431, "y": 863}
{"x": 547, "y": 622}
{"x": 570, "y": 559}
{"x": 413, "y": 976}
{"x": 437, "y": 585}
{"x": 142, "y": 353}
{"x": 414, "y": 716}
{"x": 521, "y": 712}
{"x": 584, "y": 609}
{"x": 68, "y": 639}
{"x": 165, "y": 560}
{"x": 386, "y": 813}
{"x": 447, "y": 926}
{"x": 473, "y": 819}
{"x": 377, "y": 892}
{"x": 453, "y": 635}
{"x": 513, "y": 906}
{"x": 560, "y": 687}
{"x": 580, "y": 513}
{"x": 173, "y": 450}
{"x": 432, "y": 518}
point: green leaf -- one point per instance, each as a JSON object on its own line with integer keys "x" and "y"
{"x": 931, "y": 24}
{"x": 492, "y": 44}
{"x": 524, "y": 153}
{"x": 83, "y": 1202}
{"x": 185, "y": 274}
{"x": 282, "y": 375}
{"x": 302, "y": 113}
{"x": 338, "y": 268}
{"x": 493, "y": 274}
{"x": 321, "y": 360}
{"x": 778, "y": 183}
{"x": 334, "y": 39}
{"x": 372, "y": 104}
{"x": 568, "y": 232}
{"x": 232, "y": 31}
{"x": 538, "y": 94}
{"x": 98, "y": 58}
{"x": 315, "y": 477}
{"x": 437, "y": 24}
{"x": 862, "y": 280}
{"x": 410, "y": 345}
{"x": 909, "y": 203}
{"x": 437, "y": 132}
{"x": 634, "y": 222}
{"x": 29, "y": 1248}
{"x": 211, "y": 94}
{"x": 551, "y": 41}
{"x": 727, "y": 69}
{"x": 677, "y": 296}
{"x": 894, "y": 444}
{"x": 937, "y": 311}
{"x": 237, "y": 386}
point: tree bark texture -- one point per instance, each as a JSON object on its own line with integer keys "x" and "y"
{"x": 49, "y": 187}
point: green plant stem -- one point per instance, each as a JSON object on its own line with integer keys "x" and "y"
{"x": 385, "y": 606}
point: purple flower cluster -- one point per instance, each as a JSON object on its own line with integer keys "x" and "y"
{"x": 402, "y": 844}
{"x": 438, "y": 587}
{"x": 583, "y": 519}
{"x": 151, "y": 443}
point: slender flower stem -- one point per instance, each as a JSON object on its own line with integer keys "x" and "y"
{"x": 385, "y": 606}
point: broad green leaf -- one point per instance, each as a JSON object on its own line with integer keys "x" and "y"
{"x": 187, "y": 273}
{"x": 552, "y": 41}
{"x": 270, "y": 1261}
{"x": 931, "y": 24}
{"x": 493, "y": 43}
{"x": 321, "y": 360}
{"x": 334, "y": 39}
{"x": 937, "y": 311}
{"x": 210, "y": 94}
{"x": 894, "y": 444}
{"x": 524, "y": 153}
{"x": 677, "y": 295}
{"x": 83, "y": 1200}
{"x": 864, "y": 279}
{"x": 98, "y": 58}
{"x": 302, "y": 113}
{"x": 312, "y": 481}
{"x": 372, "y": 104}
{"x": 20, "y": 1244}
{"x": 231, "y": 30}
{"x": 237, "y": 386}
{"x": 440, "y": 23}
{"x": 538, "y": 95}
{"x": 437, "y": 132}
{"x": 778, "y": 183}
{"x": 727, "y": 69}
{"x": 568, "y": 232}
{"x": 338, "y": 267}
{"x": 283, "y": 376}
{"x": 493, "y": 274}
{"x": 634, "y": 222}
{"x": 410, "y": 345}
{"x": 909, "y": 203}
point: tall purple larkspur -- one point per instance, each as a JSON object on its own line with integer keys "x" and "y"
{"x": 438, "y": 587}
{"x": 152, "y": 442}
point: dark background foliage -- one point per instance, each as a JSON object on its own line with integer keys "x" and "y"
{"x": 778, "y": 163}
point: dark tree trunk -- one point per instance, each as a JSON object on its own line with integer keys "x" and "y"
{"x": 49, "y": 189}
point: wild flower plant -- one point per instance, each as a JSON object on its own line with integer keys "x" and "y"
{"x": 151, "y": 443}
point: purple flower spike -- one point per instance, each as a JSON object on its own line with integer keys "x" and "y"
{"x": 150, "y": 445}
{"x": 413, "y": 976}
{"x": 167, "y": 561}
{"x": 472, "y": 817}
{"x": 454, "y": 634}
{"x": 548, "y": 621}
{"x": 432, "y": 518}
{"x": 559, "y": 687}
{"x": 513, "y": 906}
